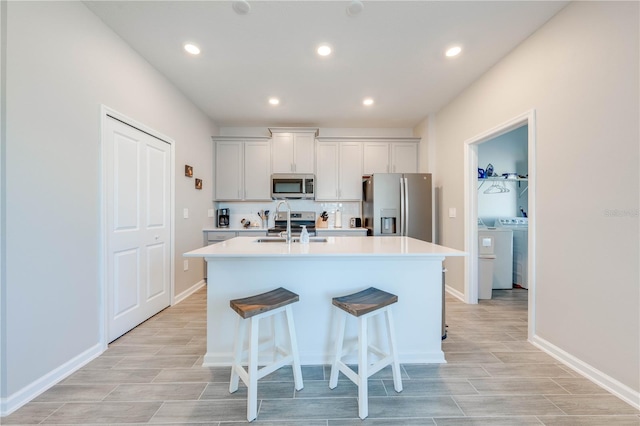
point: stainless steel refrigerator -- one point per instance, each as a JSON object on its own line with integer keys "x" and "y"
{"x": 398, "y": 204}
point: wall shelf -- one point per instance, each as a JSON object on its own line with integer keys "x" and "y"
{"x": 504, "y": 180}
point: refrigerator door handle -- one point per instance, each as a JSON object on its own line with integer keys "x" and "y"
{"x": 406, "y": 208}
{"x": 403, "y": 198}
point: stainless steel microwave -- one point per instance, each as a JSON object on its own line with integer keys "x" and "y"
{"x": 292, "y": 186}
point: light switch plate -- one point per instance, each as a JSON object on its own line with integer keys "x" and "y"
{"x": 210, "y": 213}
{"x": 452, "y": 212}
{"x": 186, "y": 264}
{"x": 185, "y": 213}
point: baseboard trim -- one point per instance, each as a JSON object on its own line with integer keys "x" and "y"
{"x": 13, "y": 402}
{"x": 455, "y": 293}
{"x": 188, "y": 292}
{"x": 601, "y": 379}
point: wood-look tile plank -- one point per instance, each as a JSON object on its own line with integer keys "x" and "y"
{"x": 104, "y": 412}
{"x": 201, "y": 411}
{"x": 517, "y": 386}
{"x": 506, "y": 405}
{"x": 596, "y": 405}
{"x": 157, "y": 392}
{"x": 617, "y": 420}
{"x": 77, "y": 393}
{"x": 488, "y": 421}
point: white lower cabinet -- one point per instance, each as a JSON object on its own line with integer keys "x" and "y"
{"x": 339, "y": 171}
{"x": 213, "y": 237}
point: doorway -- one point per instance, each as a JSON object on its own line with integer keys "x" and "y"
{"x": 471, "y": 207}
{"x": 137, "y": 166}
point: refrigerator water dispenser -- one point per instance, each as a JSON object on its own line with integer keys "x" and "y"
{"x": 388, "y": 225}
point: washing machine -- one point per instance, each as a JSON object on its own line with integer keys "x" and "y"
{"x": 503, "y": 251}
{"x": 520, "y": 228}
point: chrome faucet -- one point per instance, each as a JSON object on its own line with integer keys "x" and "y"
{"x": 288, "y": 237}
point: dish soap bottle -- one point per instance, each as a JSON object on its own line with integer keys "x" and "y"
{"x": 304, "y": 235}
{"x": 338, "y": 221}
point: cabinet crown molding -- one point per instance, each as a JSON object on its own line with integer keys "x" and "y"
{"x": 239, "y": 138}
{"x": 368, "y": 139}
{"x": 313, "y": 130}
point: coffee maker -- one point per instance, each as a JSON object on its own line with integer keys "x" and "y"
{"x": 222, "y": 218}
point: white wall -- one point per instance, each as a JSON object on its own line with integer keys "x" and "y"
{"x": 62, "y": 64}
{"x": 580, "y": 74}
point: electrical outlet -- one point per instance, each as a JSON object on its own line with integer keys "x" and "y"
{"x": 185, "y": 213}
{"x": 210, "y": 213}
{"x": 186, "y": 265}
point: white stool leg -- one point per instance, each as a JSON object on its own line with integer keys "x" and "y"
{"x": 237, "y": 357}
{"x": 297, "y": 371}
{"x": 395, "y": 366}
{"x": 335, "y": 371}
{"x": 363, "y": 369}
{"x": 252, "y": 386}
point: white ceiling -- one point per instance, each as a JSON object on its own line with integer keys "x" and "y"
{"x": 393, "y": 51}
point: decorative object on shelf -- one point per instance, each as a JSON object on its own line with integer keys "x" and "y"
{"x": 188, "y": 170}
{"x": 481, "y": 173}
{"x": 198, "y": 183}
{"x": 489, "y": 170}
{"x": 245, "y": 223}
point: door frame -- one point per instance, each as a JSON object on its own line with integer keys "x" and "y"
{"x": 105, "y": 113}
{"x": 471, "y": 208}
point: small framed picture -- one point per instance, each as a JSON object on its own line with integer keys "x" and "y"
{"x": 198, "y": 183}
{"x": 188, "y": 170}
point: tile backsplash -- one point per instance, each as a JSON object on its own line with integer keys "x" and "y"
{"x": 249, "y": 210}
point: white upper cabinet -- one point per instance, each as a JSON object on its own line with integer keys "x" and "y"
{"x": 228, "y": 173}
{"x": 339, "y": 171}
{"x": 293, "y": 150}
{"x": 404, "y": 157}
{"x": 257, "y": 173}
{"x": 243, "y": 169}
{"x": 376, "y": 157}
{"x": 390, "y": 157}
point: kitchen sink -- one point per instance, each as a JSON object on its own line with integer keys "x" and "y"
{"x": 293, "y": 240}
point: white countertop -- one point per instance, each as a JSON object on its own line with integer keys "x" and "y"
{"x": 335, "y": 246}
{"x": 238, "y": 229}
{"x": 257, "y": 228}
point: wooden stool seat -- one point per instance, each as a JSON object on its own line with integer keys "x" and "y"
{"x": 251, "y": 310}
{"x": 364, "y": 301}
{"x": 265, "y": 302}
{"x": 364, "y": 305}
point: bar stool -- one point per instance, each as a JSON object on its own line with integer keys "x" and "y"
{"x": 254, "y": 309}
{"x": 364, "y": 305}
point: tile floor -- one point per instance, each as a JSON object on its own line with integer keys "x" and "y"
{"x": 153, "y": 374}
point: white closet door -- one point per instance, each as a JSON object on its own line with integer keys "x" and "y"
{"x": 139, "y": 227}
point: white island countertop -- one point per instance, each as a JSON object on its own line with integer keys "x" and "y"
{"x": 334, "y": 246}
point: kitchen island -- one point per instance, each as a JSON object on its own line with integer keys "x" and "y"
{"x": 317, "y": 272}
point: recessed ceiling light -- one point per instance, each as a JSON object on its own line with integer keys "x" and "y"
{"x": 368, "y": 102}
{"x": 241, "y": 7}
{"x": 192, "y": 48}
{"x": 453, "y": 51}
{"x": 324, "y": 50}
{"x": 274, "y": 101}
{"x": 354, "y": 8}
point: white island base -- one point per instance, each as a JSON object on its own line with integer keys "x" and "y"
{"x": 317, "y": 272}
